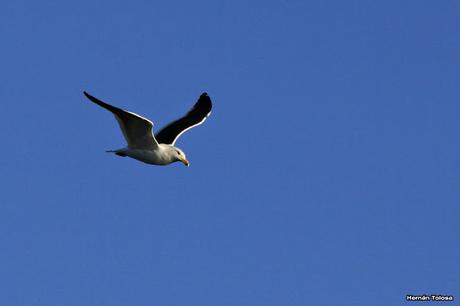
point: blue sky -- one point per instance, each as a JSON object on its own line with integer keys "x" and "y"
{"x": 327, "y": 174}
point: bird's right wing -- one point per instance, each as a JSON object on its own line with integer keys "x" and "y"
{"x": 136, "y": 129}
{"x": 196, "y": 116}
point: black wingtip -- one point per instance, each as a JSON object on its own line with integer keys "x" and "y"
{"x": 91, "y": 98}
{"x": 204, "y": 103}
{"x": 204, "y": 97}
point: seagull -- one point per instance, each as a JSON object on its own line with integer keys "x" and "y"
{"x": 159, "y": 149}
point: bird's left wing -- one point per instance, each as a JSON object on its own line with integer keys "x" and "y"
{"x": 196, "y": 116}
{"x": 136, "y": 129}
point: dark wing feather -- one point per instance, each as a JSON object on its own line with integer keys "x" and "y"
{"x": 136, "y": 129}
{"x": 194, "y": 117}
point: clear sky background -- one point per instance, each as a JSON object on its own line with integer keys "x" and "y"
{"x": 327, "y": 174}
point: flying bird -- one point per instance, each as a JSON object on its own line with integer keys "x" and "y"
{"x": 159, "y": 149}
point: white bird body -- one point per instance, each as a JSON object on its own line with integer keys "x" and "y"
{"x": 162, "y": 156}
{"x": 159, "y": 149}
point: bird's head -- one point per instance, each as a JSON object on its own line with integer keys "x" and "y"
{"x": 180, "y": 156}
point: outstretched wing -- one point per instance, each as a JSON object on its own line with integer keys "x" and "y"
{"x": 196, "y": 116}
{"x": 136, "y": 129}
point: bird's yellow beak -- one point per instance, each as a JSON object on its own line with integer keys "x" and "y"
{"x": 186, "y": 162}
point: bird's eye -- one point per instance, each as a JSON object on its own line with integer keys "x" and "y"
{"x": 178, "y": 152}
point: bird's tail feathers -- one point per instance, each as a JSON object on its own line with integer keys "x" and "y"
{"x": 117, "y": 152}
